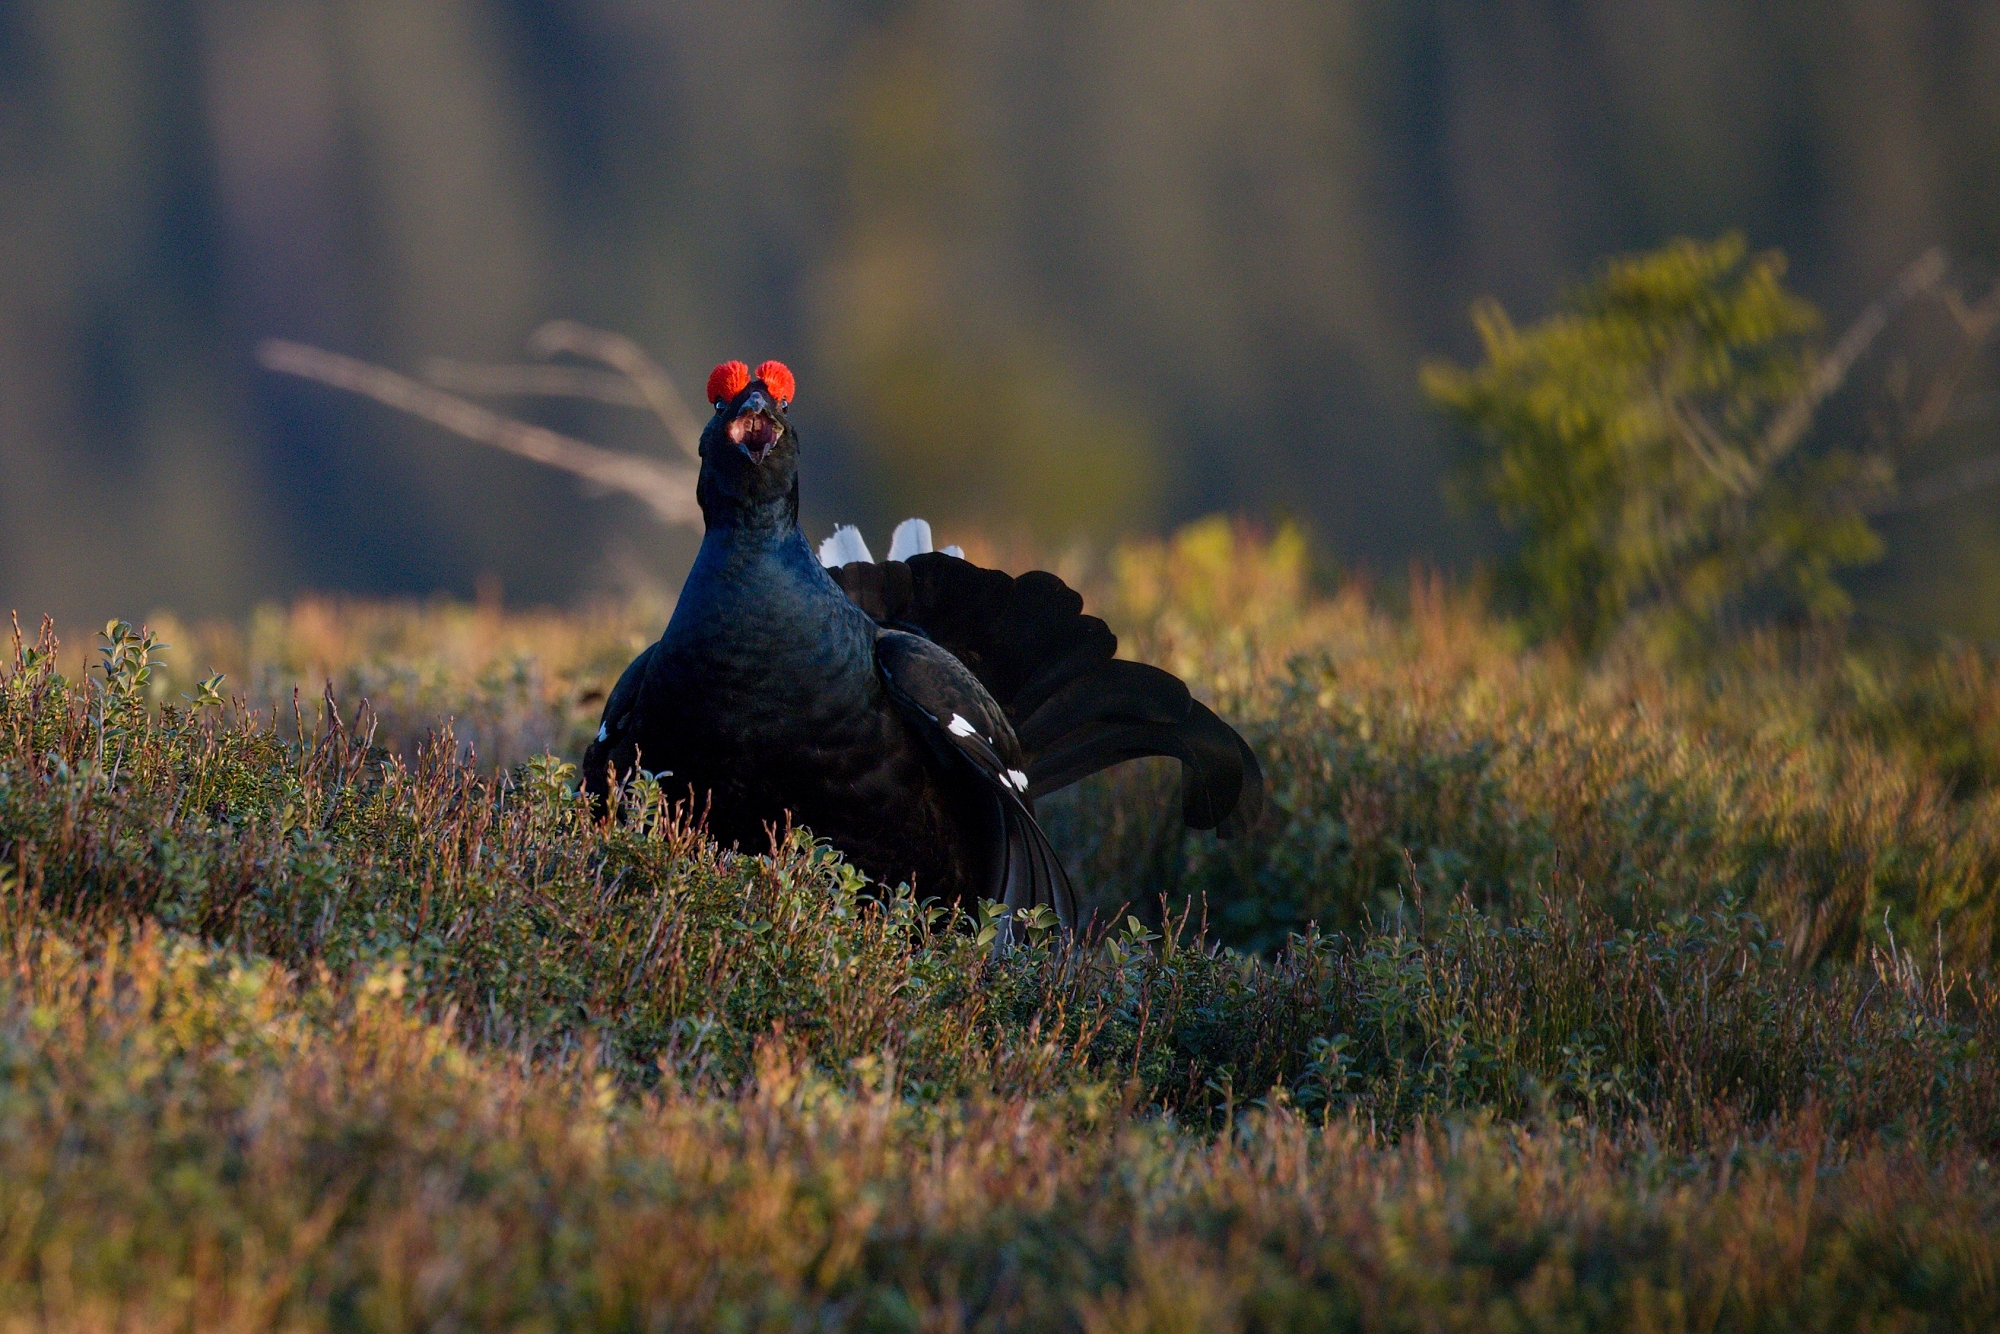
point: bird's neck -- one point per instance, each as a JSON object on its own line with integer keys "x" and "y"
{"x": 774, "y": 517}
{"x": 751, "y": 570}
{"x": 755, "y": 574}
{"x": 739, "y": 549}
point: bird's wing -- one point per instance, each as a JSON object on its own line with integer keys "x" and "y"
{"x": 960, "y": 719}
{"x": 1076, "y": 707}
{"x": 612, "y": 749}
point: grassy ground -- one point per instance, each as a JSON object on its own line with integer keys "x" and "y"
{"x": 1637, "y": 998}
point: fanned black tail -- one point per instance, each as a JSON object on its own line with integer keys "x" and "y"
{"x": 1075, "y": 707}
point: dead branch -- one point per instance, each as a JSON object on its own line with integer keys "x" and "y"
{"x": 667, "y": 490}
{"x": 630, "y": 360}
{"x": 1792, "y": 423}
{"x": 1976, "y": 325}
{"x": 1725, "y": 463}
{"x": 586, "y": 382}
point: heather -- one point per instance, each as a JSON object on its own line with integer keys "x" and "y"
{"x": 213, "y": 1144}
{"x": 1552, "y": 993}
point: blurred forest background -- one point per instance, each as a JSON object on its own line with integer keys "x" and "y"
{"x": 1087, "y": 268}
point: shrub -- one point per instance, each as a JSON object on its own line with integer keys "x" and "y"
{"x": 1644, "y": 439}
{"x": 663, "y": 955}
{"x": 193, "y": 1140}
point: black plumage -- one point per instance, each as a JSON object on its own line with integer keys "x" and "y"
{"x": 910, "y": 712}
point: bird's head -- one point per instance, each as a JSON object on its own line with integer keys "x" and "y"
{"x": 749, "y": 451}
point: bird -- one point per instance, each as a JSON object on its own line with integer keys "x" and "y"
{"x": 909, "y": 712}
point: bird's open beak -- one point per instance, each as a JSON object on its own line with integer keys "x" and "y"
{"x": 755, "y": 427}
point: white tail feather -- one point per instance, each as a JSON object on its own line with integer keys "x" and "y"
{"x": 912, "y": 538}
{"x": 844, "y": 548}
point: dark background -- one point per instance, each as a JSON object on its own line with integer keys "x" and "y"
{"x": 1082, "y": 268}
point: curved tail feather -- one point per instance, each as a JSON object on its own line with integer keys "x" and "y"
{"x": 1031, "y": 872}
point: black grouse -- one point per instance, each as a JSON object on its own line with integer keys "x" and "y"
{"x": 909, "y": 712}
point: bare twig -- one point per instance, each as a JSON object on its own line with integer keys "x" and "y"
{"x": 1976, "y": 324}
{"x": 587, "y": 382}
{"x": 667, "y": 490}
{"x": 1791, "y": 424}
{"x": 1724, "y": 462}
{"x": 630, "y": 360}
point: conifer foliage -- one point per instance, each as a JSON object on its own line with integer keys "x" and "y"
{"x": 1648, "y": 443}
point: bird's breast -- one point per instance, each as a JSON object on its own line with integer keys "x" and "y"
{"x": 761, "y": 668}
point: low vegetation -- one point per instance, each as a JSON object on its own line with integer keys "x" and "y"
{"x": 1552, "y": 994}
{"x": 199, "y": 1141}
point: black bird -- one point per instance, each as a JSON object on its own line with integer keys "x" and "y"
{"x": 908, "y": 712}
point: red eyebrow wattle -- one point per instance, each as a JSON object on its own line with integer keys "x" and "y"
{"x": 727, "y": 380}
{"x": 777, "y": 378}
